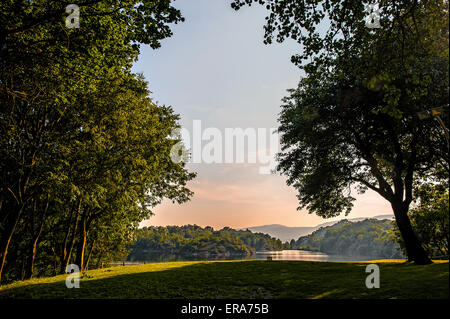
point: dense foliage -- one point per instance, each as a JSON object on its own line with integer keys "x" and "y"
{"x": 192, "y": 240}
{"x": 84, "y": 151}
{"x": 370, "y": 237}
{"x": 353, "y": 119}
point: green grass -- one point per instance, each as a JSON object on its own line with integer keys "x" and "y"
{"x": 244, "y": 279}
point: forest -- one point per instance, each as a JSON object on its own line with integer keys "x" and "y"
{"x": 370, "y": 237}
{"x": 193, "y": 240}
{"x": 85, "y": 152}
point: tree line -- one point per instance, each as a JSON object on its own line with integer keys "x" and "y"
{"x": 382, "y": 238}
{"x": 193, "y": 240}
{"x": 85, "y": 153}
{"x": 368, "y": 238}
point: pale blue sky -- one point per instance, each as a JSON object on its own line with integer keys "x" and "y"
{"x": 215, "y": 68}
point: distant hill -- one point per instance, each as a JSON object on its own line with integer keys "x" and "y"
{"x": 155, "y": 243}
{"x": 284, "y": 233}
{"x": 369, "y": 237}
{"x": 358, "y": 219}
{"x": 287, "y": 233}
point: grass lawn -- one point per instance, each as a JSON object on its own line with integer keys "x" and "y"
{"x": 244, "y": 279}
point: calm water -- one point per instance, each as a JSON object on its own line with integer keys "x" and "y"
{"x": 260, "y": 255}
{"x": 307, "y": 256}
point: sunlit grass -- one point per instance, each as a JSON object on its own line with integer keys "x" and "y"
{"x": 244, "y": 279}
{"x": 377, "y": 261}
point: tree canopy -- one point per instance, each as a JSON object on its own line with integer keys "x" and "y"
{"x": 353, "y": 120}
{"x": 85, "y": 152}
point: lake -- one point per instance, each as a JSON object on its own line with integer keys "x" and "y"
{"x": 302, "y": 255}
{"x": 306, "y": 255}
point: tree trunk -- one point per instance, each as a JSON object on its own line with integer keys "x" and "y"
{"x": 29, "y": 268}
{"x": 414, "y": 249}
{"x": 5, "y": 240}
{"x": 89, "y": 255}
{"x": 99, "y": 261}
{"x": 33, "y": 245}
{"x": 67, "y": 252}
{"x": 79, "y": 259}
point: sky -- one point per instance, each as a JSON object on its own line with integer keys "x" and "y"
{"x": 216, "y": 69}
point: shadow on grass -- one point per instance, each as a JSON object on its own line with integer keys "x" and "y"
{"x": 250, "y": 279}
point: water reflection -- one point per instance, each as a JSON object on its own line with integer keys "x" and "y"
{"x": 293, "y": 255}
{"x": 305, "y": 255}
{"x": 299, "y": 255}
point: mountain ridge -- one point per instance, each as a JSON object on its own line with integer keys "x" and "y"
{"x": 287, "y": 233}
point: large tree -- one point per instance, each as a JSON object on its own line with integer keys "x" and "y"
{"x": 352, "y": 121}
{"x": 68, "y": 104}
